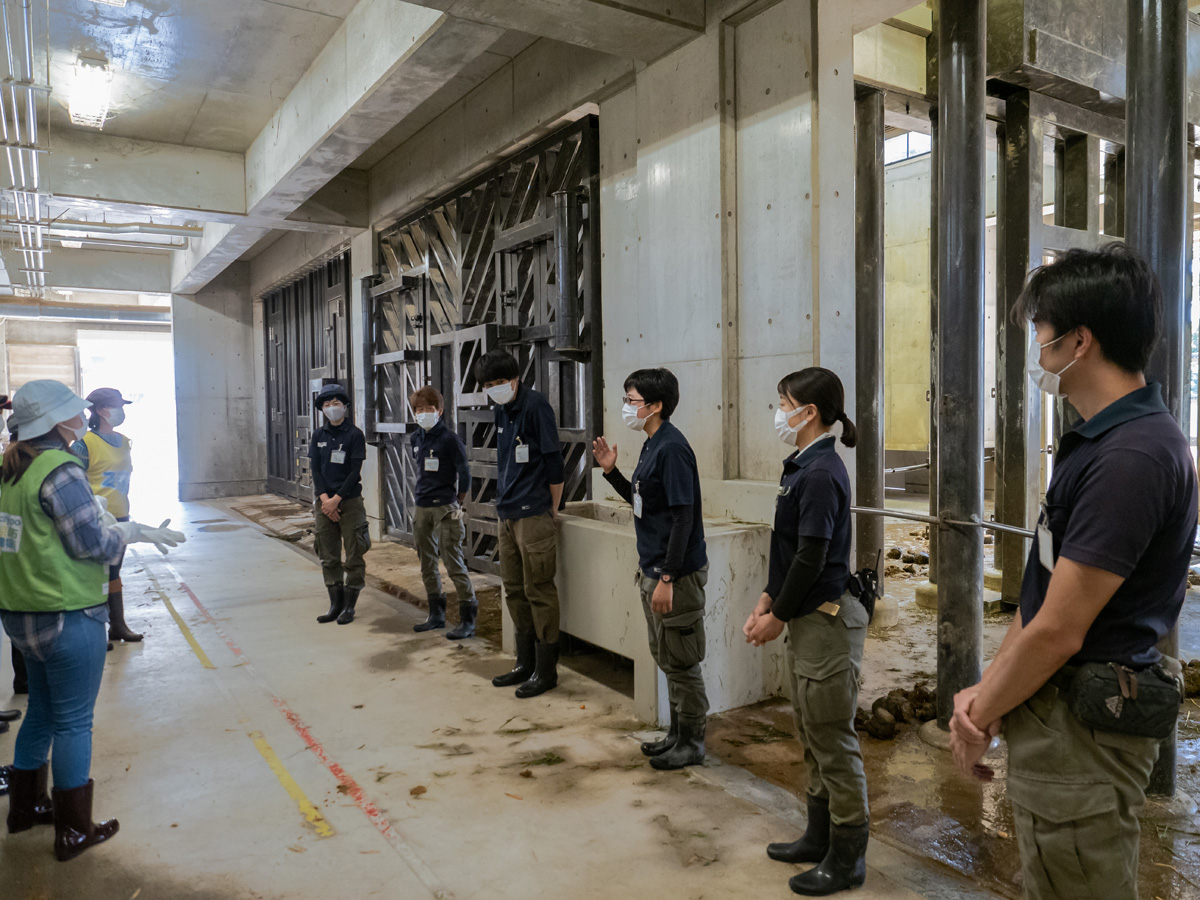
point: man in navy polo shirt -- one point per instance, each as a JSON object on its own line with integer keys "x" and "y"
{"x": 529, "y": 488}
{"x": 672, "y": 556}
{"x": 1104, "y": 582}
{"x": 439, "y": 522}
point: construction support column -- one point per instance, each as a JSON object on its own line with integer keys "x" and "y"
{"x": 1157, "y": 195}
{"x": 868, "y": 339}
{"x": 962, "y": 177}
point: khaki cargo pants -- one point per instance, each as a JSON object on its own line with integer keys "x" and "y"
{"x": 528, "y": 563}
{"x": 440, "y": 535}
{"x": 1075, "y": 794}
{"x": 824, "y": 659}
{"x": 350, "y": 531}
{"x": 677, "y": 641}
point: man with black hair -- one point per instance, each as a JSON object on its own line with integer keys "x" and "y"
{"x": 529, "y": 488}
{"x": 1079, "y": 686}
{"x": 337, "y": 451}
{"x": 672, "y": 556}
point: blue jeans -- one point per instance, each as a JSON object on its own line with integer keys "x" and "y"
{"x": 64, "y": 681}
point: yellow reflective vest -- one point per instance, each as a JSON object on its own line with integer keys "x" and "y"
{"x": 108, "y": 471}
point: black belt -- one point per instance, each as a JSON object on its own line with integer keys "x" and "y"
{"x": 1063, "y": 677}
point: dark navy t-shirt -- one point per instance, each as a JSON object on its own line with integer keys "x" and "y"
{"x": 1123, "y": 499}
{"x": 813, "y": 501}
{"x": 523, "y": 488}
{"x": 342, "y": 478}
{"x": 450, "y": 475}
{"x": 666, "y": 475}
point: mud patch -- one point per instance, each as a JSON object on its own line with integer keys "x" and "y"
{"x": 394, "y": 660}
{"x": 449, "y": 749}
{"x": 692, "y": 846}
{"x": 223, "y": 528}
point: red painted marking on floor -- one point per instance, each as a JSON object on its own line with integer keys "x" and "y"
{"x": 353, "y": 789}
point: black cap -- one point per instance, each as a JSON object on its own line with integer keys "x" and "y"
{"x": 332, "y": 392}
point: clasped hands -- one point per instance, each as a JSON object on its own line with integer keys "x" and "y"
{"x": 762, "y": 627}
{"x": 968, "y": 743}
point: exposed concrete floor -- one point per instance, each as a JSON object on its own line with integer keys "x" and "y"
{"x": 423, "y": 779}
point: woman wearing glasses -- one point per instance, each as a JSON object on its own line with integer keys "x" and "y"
{"x": 672, "y": 559}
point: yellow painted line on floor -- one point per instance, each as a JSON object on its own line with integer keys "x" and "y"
{"x": 187, "y": 632}
{"x": 311, "y": 814}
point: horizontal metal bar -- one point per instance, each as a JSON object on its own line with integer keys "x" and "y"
{"x": 530, "y": 232}
{"x": 380, "y": 359}
{"x": 404, "y": 282}
{"x": 933, "y": 520}
{"x": 26, "y": 85}
{"x": 391, "y": 427}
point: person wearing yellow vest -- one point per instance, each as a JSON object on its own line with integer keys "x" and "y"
{"x": 55, "y": 549}
{"x": 108, "y": 458}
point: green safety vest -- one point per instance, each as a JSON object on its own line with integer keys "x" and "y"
{"x": 36, "y": 572}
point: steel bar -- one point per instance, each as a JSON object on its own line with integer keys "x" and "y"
{"x": 962, "y": 178}
{"x": 869, "y": 323}
{"x": 1157, "y": 195}
{"x": 566, "y": 245}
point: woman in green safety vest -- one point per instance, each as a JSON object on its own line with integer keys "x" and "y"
{"x": 55, "y": 549}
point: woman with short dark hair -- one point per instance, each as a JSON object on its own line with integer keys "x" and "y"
{"x": 827, "y": 627}
{"x": 672, "y": 556}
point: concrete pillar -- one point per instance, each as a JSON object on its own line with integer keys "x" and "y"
{"x": 1157, "y": 197}
{"x": 869, "y": 319}
{"x": 961, "y": 95}
{"x": 363, "y": 258}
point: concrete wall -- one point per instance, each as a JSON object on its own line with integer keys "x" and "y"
{"x": 221, "y": 401}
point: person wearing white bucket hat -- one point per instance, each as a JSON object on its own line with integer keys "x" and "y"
{"x": 55, "y": 547}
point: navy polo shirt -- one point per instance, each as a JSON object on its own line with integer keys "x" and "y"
{"x": 666, "y": 475}
{"x": 523, "y": 488}
{"x": 453, "y": 475}
{"x": 814, "y": 502}
{"x": 1123, "y": 499}
{"x": 344, "y": 478}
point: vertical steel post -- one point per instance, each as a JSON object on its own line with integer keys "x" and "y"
{"x": 934, "y": 386}
{"x": 1018, "y": 404}
{"x": 1157, "y": 194}
{"x": 566, "y": 245}
{"x": 868, "y": 335}
{"x": 961, "y": 97}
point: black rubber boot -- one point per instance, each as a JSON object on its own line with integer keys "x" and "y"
{"x": 4, "y": 780}
{"x": 655, "y": 748}
{"x": 117, "y": 629}
{"x": 466, "y": 621}
{"x": 437, "y": 614}
{"x": 812, "y": 847}
{"x": 337, "y": 602}
{"x": 20, "y": 673}
{"x": 74, "y": 830}
{"x": 28, "y": 798}
{"x": 688, "y": 749}
{"x": 545, "y": 671}
{"x": 526, "y": 641}
{"x": 347, "y": 614}
{"x": 844, "y": 866}
{"x": 9, "y": 715}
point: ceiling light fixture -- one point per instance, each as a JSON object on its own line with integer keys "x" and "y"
{"x": 91, "y": 93}
{"x": 110, "y": 2}
{"x": 72, "y": 245}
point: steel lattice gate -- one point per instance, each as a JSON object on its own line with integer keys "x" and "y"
{"x": 478, "y": 269}
{"x": 308, "y": 339}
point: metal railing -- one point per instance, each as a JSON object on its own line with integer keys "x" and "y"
{"x": 934, "y": 520}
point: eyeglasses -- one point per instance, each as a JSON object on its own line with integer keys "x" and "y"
{"x": 633, "y": 401}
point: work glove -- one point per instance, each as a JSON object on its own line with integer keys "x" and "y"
{"x": 106, "y": 518}
{"x": 161, "y": 537}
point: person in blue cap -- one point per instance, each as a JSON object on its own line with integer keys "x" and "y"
{"x": 337, "y": 451}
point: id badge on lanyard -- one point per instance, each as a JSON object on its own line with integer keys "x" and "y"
{"x": 521, "y": 454}
{"x": 637, "y": 500}
{"x": 1045, "y": 541}
{"x": 338, "y": 456}
{"x": 431, "y": 462}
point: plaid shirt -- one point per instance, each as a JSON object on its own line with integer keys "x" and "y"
{"x": 67, "y": 499}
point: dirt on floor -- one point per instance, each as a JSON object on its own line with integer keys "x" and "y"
{"x": 917, "y": 798}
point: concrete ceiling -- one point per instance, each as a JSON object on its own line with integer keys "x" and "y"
{"x": 203, "y": 73}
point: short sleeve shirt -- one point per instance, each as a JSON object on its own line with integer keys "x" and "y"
{"x": 813, "y": 502}
{"x": 524, "y": 476}
{"x": 666, "y": 475}
{"x": 1123, "y": 498}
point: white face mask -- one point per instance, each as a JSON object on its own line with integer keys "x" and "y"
{"x": 427, "y": 419}
{"x": 787, "y": 432}
{"x": 77, "y": 433}
{"x": 1050, "y": 382}
{"x": 502, "y": 393}
{"x": 629, "y": 415}
{"x": 115, "y": 416}
{"x": 335, "y": 413}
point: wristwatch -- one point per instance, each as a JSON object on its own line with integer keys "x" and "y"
{"x": 665, "y": 578}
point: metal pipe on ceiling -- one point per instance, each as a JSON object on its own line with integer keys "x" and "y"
{"x": 185, "y": 231}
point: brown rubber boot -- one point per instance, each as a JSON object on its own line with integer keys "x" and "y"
{"x": 117, "y": 629}
{"x": 74, "y": 830}
{"x": 28, "y": 801}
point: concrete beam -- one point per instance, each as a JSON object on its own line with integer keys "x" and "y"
{"x": 385, "y": 60}
{"x": 891, "y": 58}
{"x": 866, "y": 13}
{"x": 634, "y": 29}
{"x": 100, "y": 270}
